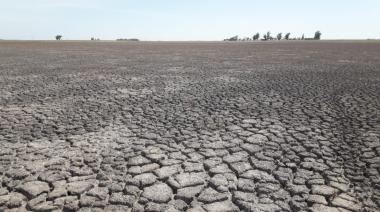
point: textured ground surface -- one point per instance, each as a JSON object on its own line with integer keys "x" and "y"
{"x": 189, "y": 126}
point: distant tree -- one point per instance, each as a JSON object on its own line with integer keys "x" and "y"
{"x": 256, "y": 36}
{"x": 279, "y": 36}
{"x": 58, "y": 37}
{"x": 92, "y": 38}
{"x": 235, "y": 38}
{"x": 267, "y": 36}
{"x": 317, "y": 35}
{"x": 287, "y": 36}
{"x": 303, "y": 37}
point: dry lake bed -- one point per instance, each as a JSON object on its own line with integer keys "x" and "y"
{"x": 207, "y": 126}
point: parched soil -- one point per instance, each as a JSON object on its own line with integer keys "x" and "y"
{"x": 119, "y": 126}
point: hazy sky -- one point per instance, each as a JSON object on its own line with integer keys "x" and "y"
{"x": 187, "y": 19}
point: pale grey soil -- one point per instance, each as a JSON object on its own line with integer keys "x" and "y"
{"x": 119, "y": 126}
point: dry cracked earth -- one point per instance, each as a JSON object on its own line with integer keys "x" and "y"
{"x": 114, "y": 126}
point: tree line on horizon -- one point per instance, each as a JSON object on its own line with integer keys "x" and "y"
{"x": 267, "y": 36}
{"x": 59, "y": 37}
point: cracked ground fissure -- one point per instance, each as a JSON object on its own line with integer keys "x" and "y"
{"x": 189, "y": 126}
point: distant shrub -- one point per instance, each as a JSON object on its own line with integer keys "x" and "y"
{"x": 234, "y": 38}
{"x": 279, "y": 36}
{"x": 267, "y": 36}
{"x": 256, "y": 36}
{"x": 287, "y": 36}
{"x": 317, "y": 35}
{"x": 58, "y": 37}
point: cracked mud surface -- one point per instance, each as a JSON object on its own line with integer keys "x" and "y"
{"x": 189, "y": 126}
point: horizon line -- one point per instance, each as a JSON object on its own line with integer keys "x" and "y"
{"x": 239, "y": 41}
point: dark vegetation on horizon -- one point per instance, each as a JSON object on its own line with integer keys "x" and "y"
{"x": 126, "y": 39}
{"x": 59, "y": 37}
{"x": 267, "y": 36}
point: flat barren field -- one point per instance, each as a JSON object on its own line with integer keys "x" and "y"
{"x": 159, "y": 126}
